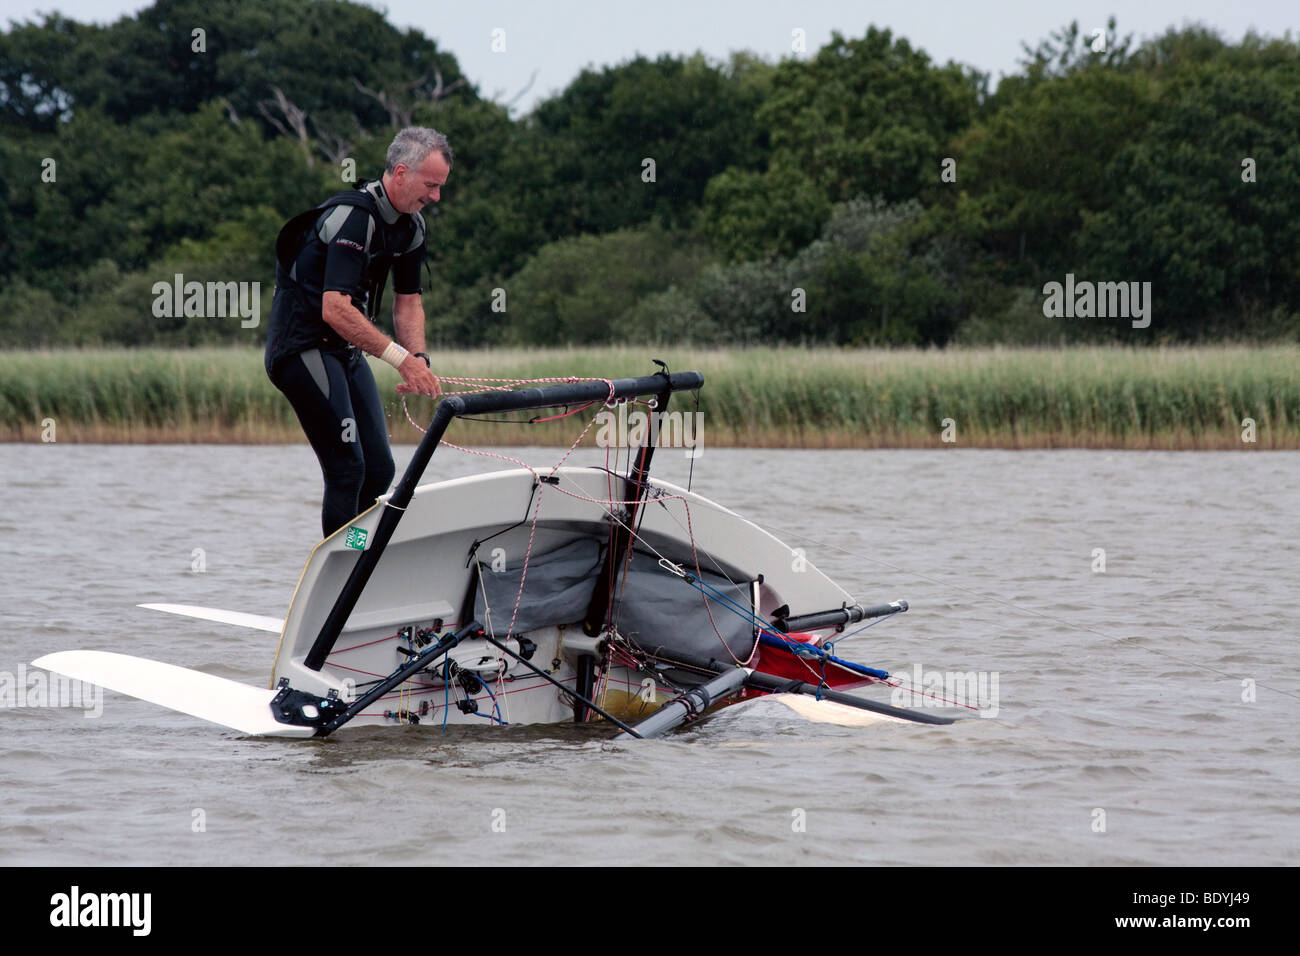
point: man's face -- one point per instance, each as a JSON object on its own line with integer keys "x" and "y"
{"x": 415, "y": 188}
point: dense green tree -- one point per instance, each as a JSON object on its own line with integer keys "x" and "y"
{"x": 749, "y": 215}
{"x": 862, "y": 117}
{"x": 1207, "y": 202}
{"x": 36, "y": 64}
{"x": 590, "y": 145}
{"x": 1034, "y": 169}
{"x": 341, "y": 64}
{"x": 879, "y": 273}
{"x": 577, "y": 290}
{"x": 867, "y": 116}
{"x": 129, "y": 192}
{"x": 136, "y": 150}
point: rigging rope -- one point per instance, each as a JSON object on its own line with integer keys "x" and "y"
{"x": 798, "y": 650}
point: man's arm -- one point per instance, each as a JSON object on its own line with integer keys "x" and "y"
{"x": 408, "y": 320}
{"x": 345, "y": 319}
{"x": 408, "y": 309}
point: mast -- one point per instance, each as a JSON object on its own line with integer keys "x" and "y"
{"x": 619, "y": 551}
{"x": 621, "y": 545}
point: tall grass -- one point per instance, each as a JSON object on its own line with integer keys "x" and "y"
{"x": 1082, "y": 397}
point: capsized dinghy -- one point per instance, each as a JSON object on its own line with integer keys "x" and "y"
{"x": 531, "y": 596}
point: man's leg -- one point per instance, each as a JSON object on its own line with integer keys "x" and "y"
{"x": 372, "y": 429}
{"x": 316, "y": 384}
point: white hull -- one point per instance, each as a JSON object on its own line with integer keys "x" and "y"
{"x": 425, "y": 576}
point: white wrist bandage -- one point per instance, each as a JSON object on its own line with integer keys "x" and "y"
{"x": 394, "y": 355}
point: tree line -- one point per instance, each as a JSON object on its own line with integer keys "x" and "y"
{"x": 860, "y": 194}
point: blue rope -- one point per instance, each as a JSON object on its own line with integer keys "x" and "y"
{"x": 446, "y": 691}
{"x": 807, "y": 650}
{"x": 497, "y": 718}
{"x": 769, "y": 634}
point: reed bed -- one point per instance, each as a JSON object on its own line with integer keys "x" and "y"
{"x": 1175, "y": 398}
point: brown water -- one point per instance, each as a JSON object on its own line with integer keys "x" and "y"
{"x": 1118, "y": 692}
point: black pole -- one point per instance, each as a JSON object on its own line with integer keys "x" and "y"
{"x": 413, "y": 666}
{"x": 365, "y": 566}
{"x": 784, "y": 685}
{"x": 837, "y": 617}
{"x": 584, "y": 686}
{"x": 690, "y": 705}
{"x": 635, "y": 485}
{"x": 453, "y": 407}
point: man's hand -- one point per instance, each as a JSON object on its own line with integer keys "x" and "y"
{"x": 417, "y": 379}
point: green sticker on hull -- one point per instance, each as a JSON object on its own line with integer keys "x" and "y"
{"x": 356, "y": 538}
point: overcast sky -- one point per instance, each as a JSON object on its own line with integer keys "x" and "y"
{"x": 557, "y": 38}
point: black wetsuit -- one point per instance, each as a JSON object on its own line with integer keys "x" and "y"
{"x": 348, "y": 244}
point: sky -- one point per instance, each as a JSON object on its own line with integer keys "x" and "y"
{"x": 555, "y": 39}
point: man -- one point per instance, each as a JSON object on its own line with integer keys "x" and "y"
{"x": 332, "y": 264}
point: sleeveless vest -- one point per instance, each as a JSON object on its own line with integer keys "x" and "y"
{"x": 295, "y": 323}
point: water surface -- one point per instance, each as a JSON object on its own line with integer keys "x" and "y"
{"x": 1119, "y": 692}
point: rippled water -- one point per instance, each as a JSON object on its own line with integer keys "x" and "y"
{"x": 1119, "y": 692}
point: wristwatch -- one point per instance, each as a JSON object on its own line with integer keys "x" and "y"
{"x": 425, "y": 356}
